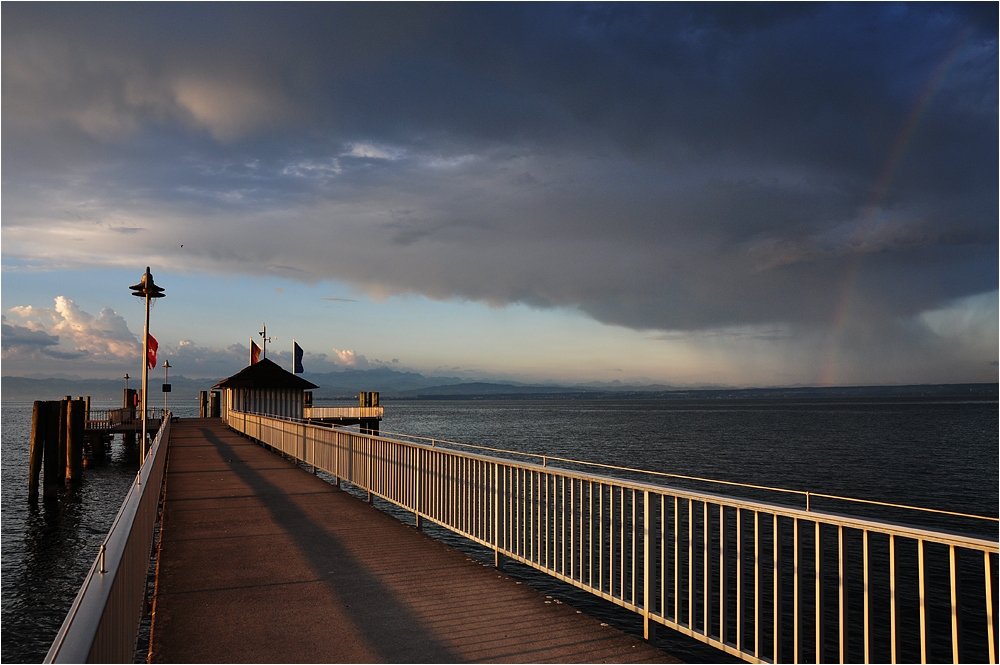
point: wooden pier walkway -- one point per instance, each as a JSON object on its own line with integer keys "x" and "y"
{"x": 261, "y": 561}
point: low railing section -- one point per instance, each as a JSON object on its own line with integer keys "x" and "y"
{"x": 103, "y": 620}
{"x": 120, "y": 417}
{"x": 758, "y": 580}
{"x": 346, "y": 412}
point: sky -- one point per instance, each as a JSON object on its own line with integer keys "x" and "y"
{"x": 678, "y": 194}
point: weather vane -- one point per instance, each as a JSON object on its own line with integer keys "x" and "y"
{"x": 263, "y": 335}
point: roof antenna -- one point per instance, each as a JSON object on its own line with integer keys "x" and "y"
{"x": 263, "y": 334}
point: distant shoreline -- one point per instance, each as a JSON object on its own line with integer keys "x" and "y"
{"x": 21, "y": 389}
{"x": 944, "y": 391}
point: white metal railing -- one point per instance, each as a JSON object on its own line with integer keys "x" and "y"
{"x": 762, "y": 581}
{"x": 103, "y": 620}
{"x": 346, "y": 412}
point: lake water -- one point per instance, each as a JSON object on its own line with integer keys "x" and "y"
{"x": 939, "y": 454}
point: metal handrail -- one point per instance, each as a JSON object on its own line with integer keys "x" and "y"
{"x": 681, "y": 558}
{"x": 545, "y": 459}
{"x": 103, "y": 620}
{"x": 108, "y": 418}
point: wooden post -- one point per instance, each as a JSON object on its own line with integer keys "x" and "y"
{"x": 74, "y": 442}
{"x": 38, "y": 413}
{"x": 97, "y": 446}
{"x": 51, "y": 460}
{"x": 368, "y": 425}
{"x": 202, "y": 404}
{"x": 63, "y": 429}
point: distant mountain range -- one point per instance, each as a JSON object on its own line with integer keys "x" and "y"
{"x": 411, "y": 385}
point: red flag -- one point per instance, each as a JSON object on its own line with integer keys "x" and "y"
{"x": 254, "y": 352}
{"x": 151, "y": 356}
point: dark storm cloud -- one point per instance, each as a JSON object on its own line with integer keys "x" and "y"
{"x": 21, "y": 344}
{"x": 25, "y": 339}
{"x": 671, "y": 166}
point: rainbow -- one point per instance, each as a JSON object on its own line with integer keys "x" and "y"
{"x": 828, "y": 374}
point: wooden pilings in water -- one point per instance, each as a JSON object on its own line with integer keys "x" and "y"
{"x": 57, "y": 432}
{"x": 63, "y": 440}
{"x": 45, "y": 451}
{"x": 39, "y": 422}
{"x": 75, "y": 412}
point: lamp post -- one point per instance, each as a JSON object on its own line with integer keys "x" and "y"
{"x": 166, "y": 382}
{"x": 145, "y": 289}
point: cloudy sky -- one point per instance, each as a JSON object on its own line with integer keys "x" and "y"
{"x": 688, "y": 194}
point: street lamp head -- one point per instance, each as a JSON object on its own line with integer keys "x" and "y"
{"x": 146, "y": 288}
{"x": 166, "y": 364}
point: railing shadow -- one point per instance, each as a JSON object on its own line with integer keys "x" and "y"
{"x": 374, "y": 607}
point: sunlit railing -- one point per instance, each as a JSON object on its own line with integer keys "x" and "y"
{"x": 759, "y": 580}
{"x": 345, "y": 412}
{"x": 103, "y": 620}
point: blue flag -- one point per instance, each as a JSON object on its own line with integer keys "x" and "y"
{"x": 297, "y": 352}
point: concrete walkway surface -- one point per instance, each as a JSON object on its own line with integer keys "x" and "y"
{"x": 262, "y": 562}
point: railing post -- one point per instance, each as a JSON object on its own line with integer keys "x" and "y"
{"x": 991, "y": 638}
{"x": 649, "y": 627}
{"x": 864, "y": 550}
{"x": 776, "y": 585}
{"x": 820, "y": 628}
{"x": 418, "y": 500}
{"x": 796, "y": 583}
{"x": 953, "y": 567}
{"x": 498, "y": 558}
{"x": 368, "y": 469}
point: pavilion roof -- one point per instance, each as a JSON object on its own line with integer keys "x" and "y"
{"x": 265, "y": 374}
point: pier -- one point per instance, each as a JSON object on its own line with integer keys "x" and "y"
{"x": 259, "y": 557}
{"x": 262, "y": 561}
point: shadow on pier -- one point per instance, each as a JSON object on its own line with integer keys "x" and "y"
{"x": 261, "y": 561}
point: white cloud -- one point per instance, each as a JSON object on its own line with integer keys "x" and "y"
{"x": 348, "y": 358}
{"x": 309, "y": 168}
{"x": 438, "y": 162}
{"x": 967, "y": 322}
{"x": 372, "y": 151}
{"x": 69, "y": 333}
{"x": 227, "y": 109}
